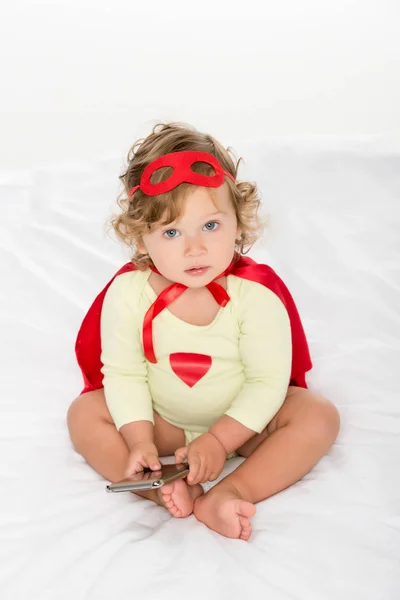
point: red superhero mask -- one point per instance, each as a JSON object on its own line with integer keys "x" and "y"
{"x": 182, "y": 163}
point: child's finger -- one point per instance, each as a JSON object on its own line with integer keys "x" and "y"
{"x": 181, "y": 454}
{"x": 213, "y": 475}
{"x": 194, "y": 468}
{"x": 133, "y": 467}
{"x": 151, "y": 461}
{"x": 207, "y": 474}
{"x": 201, "y": 476}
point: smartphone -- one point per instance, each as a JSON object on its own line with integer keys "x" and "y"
{"x": 150, "y": 480}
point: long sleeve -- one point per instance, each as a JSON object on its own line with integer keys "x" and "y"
{"x": 124, "y": 368}
{"x": 265, "y": 346}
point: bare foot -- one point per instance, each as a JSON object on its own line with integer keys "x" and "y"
{"x": 178, "y": 497}
{"x": 223, "y": 510}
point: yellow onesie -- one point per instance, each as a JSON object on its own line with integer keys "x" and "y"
{"x": 245, "y": 367}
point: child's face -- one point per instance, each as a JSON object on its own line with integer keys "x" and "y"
{"x": 204, "y": 236}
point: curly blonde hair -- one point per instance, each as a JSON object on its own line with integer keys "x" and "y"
{"x": 141, "y": 213}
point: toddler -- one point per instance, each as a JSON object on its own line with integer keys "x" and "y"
{"x": 193, "y": 349}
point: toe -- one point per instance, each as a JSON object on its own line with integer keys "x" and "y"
{"x": 246, "y": 528}
{"x": 175, "y": 512}
{"x": 177, "y": 499}
{"x": 245, "y": 535}
{"x": 247, "y": 509}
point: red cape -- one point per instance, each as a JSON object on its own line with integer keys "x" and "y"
{"x": 88, "y": 342}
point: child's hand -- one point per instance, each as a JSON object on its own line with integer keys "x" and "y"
{"x": 141, "y": 455}
{"x": 206, "y": 457}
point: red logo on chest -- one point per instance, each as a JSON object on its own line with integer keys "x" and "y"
{"x": 190, "y": 367}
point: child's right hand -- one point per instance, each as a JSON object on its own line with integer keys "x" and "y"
{"x": 142, "y": 455}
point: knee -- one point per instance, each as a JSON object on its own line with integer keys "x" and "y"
{"x": 82, "y": 417}
{"x": 323, "y": 421}
{"x": 75, "y": 421}
{"x": 86, "y": 416}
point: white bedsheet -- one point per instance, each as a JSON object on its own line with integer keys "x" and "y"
{"x": 334, "y": 237}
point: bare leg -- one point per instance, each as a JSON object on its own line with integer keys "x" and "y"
{"x": 294, "y": 441}
{"x": 96, "y": 438}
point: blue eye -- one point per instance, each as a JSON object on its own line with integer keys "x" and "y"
{"x": 213, "y": 224}
{"x": 170, "y": 231}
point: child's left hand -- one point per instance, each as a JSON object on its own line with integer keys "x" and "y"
{"x": 206, "y": 457}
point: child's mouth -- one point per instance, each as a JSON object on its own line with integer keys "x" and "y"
{"x": 197, "y": 271}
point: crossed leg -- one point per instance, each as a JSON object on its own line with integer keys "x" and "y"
{"x": 299, "y": 435}
{"x": 96, "y": 438}
{"x": 301, "y": 432}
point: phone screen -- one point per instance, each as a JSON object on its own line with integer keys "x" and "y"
{"x": 165, "y": 470}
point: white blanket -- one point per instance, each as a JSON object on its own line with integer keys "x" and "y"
{"x": 334, "y": 237}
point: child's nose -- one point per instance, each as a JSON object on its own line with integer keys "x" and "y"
{"x": 195, "y": 245}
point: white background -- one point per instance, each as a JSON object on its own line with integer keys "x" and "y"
{"x": 317, "y": 82}
{"x": 82, "y": 79}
